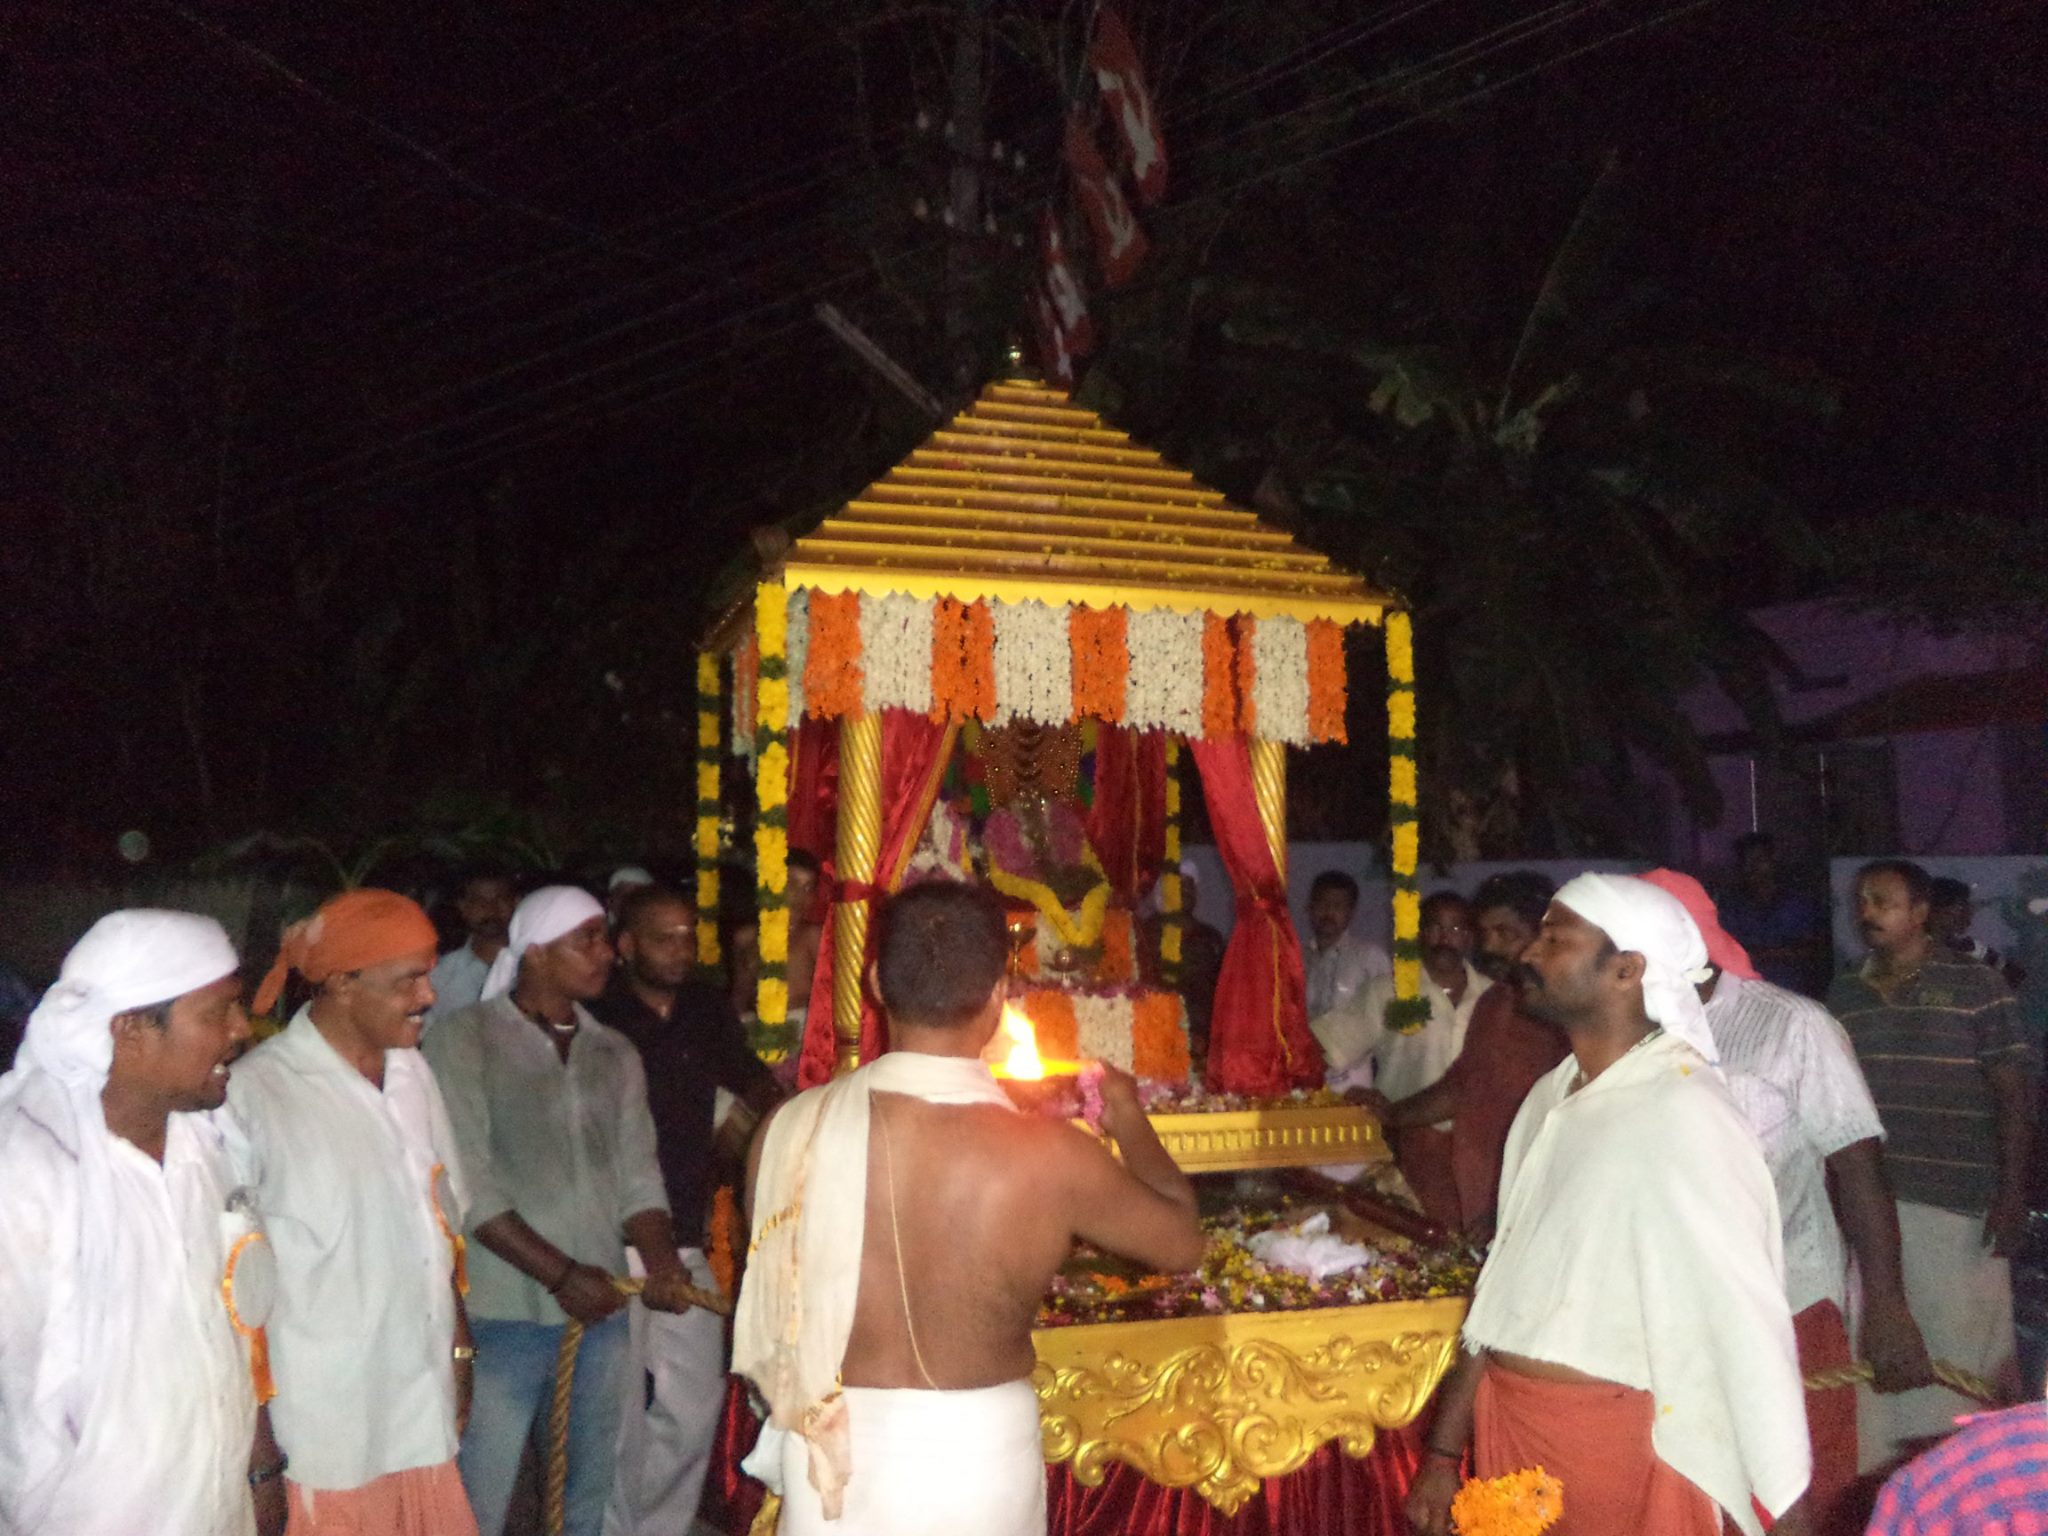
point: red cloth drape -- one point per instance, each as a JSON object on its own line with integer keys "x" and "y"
{"x": 914, "y": 753}
{"x": 813, "y": 786}
{"x": 1127, "y": 823}
{"x": 1330, "y": 1492}
{"x": 1259, "y": 1041}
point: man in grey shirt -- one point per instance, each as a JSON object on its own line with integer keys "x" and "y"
{"x": 550, "y": 1115}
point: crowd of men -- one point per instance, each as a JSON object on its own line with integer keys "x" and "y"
{"x": 323, "y": 1285}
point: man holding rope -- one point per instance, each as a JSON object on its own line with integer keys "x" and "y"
{"x": 906, "y": 1224}
{"x": 340, "y": 1130}
{"x": 551, "y": 1120}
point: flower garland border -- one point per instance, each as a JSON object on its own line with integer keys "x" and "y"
{"x": 771, "y": 802}
{"x": 709, "y": 811}
{"x": 1409, "y": 1010}
{"x": 1169, "y": 874}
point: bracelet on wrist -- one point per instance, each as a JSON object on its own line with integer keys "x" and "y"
{"x": 463, "y": 1354}
{"x": 260, "y": 1475}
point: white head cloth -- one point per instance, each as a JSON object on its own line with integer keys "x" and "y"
{"x": 127, "y": 960}
{"x": 543, "y": 917}
{"x": 1643, "y": 919}
{"x": 627, "y": 875}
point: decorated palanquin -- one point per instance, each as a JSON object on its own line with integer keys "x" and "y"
{"x": 1037, "y": 606}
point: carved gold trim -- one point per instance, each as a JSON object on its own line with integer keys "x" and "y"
{"x": 1221, "y": 1141}
{"x": 1220, "y": 1403}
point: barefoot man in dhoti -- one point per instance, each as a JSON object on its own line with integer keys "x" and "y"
{"x": 1630, "y": 1333}
{"x": 907, "y": 1221}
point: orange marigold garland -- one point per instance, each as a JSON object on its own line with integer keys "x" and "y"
{"x": 1520, "y": 1504}
{"x": 725, "y": 1221}
{"x": 1102, "y": 662}
{"x": 1326, "y": 683}
{"x": 980, "y": 661}
{"x": 1241, "y": 631}
{"x": 1054, "y": 1028}
{"x": 1159, "y": 1037}
{"x": 1117, "y": 963}
{"x": 1219, "y": 679}
{"x": 949, "y": 660}
{"x": 832, "y": 670}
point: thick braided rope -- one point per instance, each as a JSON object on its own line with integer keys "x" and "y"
{"x": 555, "y": 1474}
{"x": 1954, "y": 1377}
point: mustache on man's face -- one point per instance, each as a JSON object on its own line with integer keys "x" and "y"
{"x": 1525, "y": 977}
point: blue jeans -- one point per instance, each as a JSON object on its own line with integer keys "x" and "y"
{"x": 515, "y": 1382}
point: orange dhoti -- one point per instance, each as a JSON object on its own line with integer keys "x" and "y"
{"x": 1594, "y": 1438}
{"x": 426, "y": 1501}
{"x": 1830, "y": 1415}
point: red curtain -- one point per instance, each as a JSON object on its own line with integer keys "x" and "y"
{"x": 1330, "y": 1492}
{"x": 914, "y": 753}
{"x": 1127, "y": 823}
{"x": 813, "y": 785}
{"x": 1259, "y": 1041}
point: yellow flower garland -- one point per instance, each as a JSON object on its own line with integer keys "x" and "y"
{"x": 709, "y": 811}
{"x": 771, "y": 800}
{"x": 1076, "y": 932}
{"x": 1409, "y": 1011}
{"x": 1169, "y": 880}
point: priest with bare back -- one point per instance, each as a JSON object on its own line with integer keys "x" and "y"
{"x": 907, "y": 1221}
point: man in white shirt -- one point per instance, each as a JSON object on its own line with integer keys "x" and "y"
{"x": 1629, "y": 1333}
{"x": 1361, "y": 1051}
{"x": 1794, "y": 1075}
{"x": 128, "y": 1403}
{"x": 551, "y": 1120}
{"x": 345, "y": 1140}
{"x": 485, "y": 904}
{"x": 1338, "y": 962}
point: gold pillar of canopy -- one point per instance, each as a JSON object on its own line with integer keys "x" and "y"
{"x": 858, "y": 852}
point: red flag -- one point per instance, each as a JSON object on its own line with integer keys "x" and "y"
{"x": 1053, "y": 356}
{"x": 1063, "y": 287}
{"x": 1122, "y": 82}
{"x": 1120, "y": 245}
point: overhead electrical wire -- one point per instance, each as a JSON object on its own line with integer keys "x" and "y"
{"x": 1463, "y": 54}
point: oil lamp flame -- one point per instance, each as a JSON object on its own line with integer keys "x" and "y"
{"x": 1021, "y": 1062}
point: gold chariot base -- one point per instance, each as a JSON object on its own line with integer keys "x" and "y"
{"x": 1309, "y": 1136}
{"x": 1219, "y": 1403}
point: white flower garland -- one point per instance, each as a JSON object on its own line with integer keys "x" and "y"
{"x": 795, "y": 649}
{"x": 1280, "y": 680}
{"x": 1102, "y": 1027}
{"x": 1034, "y": 665}
{"x": 896, "y": 653}
{"x": 1165, "y": 688}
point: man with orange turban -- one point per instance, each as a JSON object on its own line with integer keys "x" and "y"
{"x": 346, "y": 1140}
{"x": 1795, "y": 1078}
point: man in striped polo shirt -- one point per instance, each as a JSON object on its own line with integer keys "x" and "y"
{"x": 1793, "y": 1075}
{"x": 1939, "y": 1039}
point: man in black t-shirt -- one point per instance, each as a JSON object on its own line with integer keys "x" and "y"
{"x": 691, "y": 1043}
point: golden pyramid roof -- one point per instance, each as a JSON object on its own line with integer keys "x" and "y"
{"x": 1026, "y": 495}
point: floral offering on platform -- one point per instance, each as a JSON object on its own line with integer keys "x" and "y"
{"x": 1094, "y": 1288}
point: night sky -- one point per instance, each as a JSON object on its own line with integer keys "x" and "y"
{"x": 298, "y": 282}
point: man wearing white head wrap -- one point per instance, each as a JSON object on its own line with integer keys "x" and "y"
{"x": 550, "y": 1115}
{"x": 1630, "y": 1331}
{"x": 126, "y": 1397}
